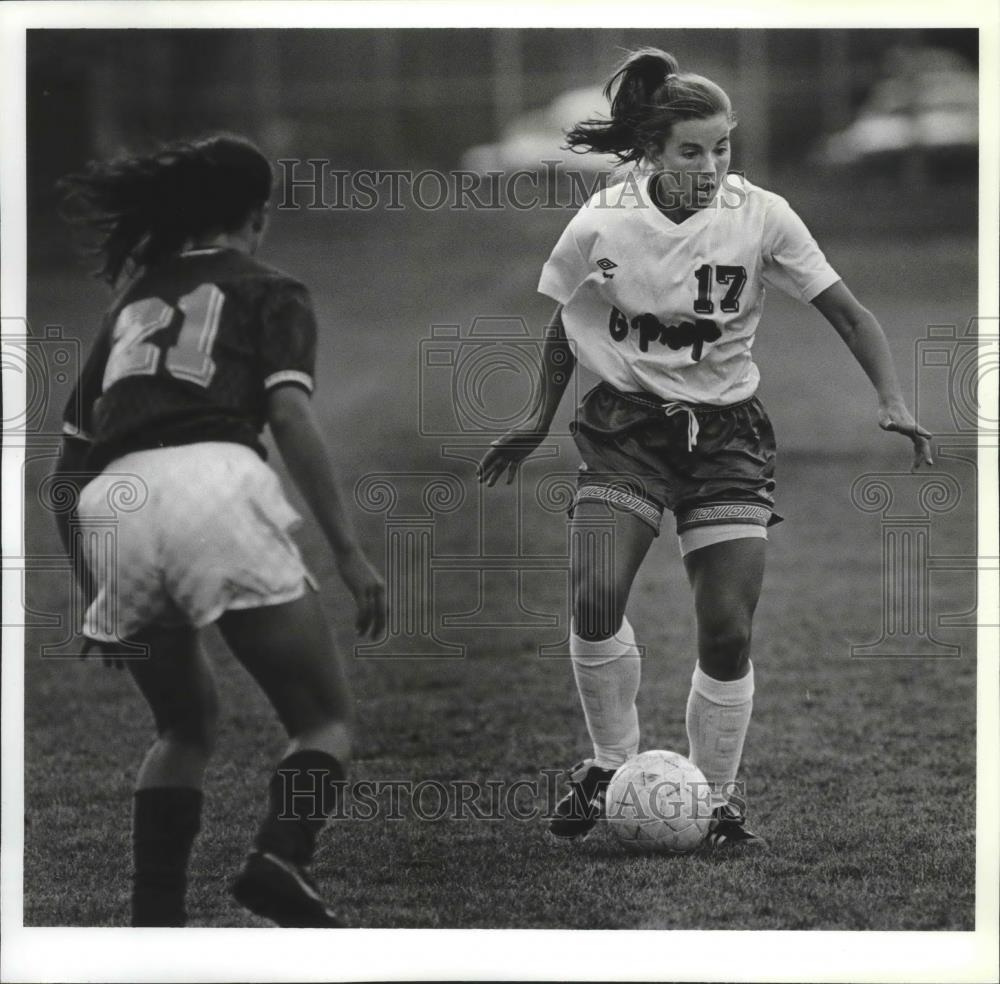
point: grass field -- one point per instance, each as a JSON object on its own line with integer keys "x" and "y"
{"x": 861, "y": 772}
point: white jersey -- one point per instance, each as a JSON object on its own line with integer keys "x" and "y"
{"x": 672, "y": 308}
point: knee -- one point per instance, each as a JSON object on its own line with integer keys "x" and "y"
{"x": 310, "y": 708}
{"x": 197, "y": 727}
{"x": 199, "y": 736}
{"x": 598, "y": 607}
{"x": 725, "y": 640}
{"x": 328, "y": 708}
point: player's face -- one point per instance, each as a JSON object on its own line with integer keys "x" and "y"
{"x": 694, "y": 160}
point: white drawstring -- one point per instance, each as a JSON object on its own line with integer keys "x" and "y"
{"x": 671, "y": 408}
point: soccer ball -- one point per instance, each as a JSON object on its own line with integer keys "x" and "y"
{"x": 658, "y": 801}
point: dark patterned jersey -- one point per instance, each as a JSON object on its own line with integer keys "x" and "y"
{"x": 189, "y": 352}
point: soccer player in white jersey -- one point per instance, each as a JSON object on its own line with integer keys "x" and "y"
{"x": 660, "y": 283}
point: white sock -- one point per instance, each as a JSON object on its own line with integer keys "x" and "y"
{"x": 607, "y": 677}
{"x": 718, "y": 714}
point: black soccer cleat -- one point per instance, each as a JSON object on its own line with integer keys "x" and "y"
{"x": 727, "y": 831}
{"x": 577, "y": 813}
{"x": 283, "y": 892}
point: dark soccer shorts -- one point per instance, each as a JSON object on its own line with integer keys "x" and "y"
{"x": 709, "y": 465}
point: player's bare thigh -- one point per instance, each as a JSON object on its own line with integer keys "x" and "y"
{"x": 726, "y": 577}
{"x": 608, "y": 546}
{"x": 290, "y": 652}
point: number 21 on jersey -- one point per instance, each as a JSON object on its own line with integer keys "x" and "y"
{"x": 189, "y": 358}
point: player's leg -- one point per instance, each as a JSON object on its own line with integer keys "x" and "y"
{"x": 607, "y": 548}
{"x": 726, "y": 577}
{"x": 177, "y": 683}
{"x": 230, "y": 559}
{"x": 289, "y": 651}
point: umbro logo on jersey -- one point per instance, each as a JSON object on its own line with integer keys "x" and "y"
{"x": 605, "y": 264}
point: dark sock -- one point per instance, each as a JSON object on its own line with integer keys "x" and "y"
{"x": 165, "y": 822}
{"x": 306, "y": 788}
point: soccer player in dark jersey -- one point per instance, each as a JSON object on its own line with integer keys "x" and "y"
{"x": 202, "y": 348}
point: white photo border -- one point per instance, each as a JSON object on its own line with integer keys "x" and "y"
{"x": 43, "y": 954}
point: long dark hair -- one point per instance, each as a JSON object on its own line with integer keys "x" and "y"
{"x": 143, "y": 208}
{"x": 648, "y": 95}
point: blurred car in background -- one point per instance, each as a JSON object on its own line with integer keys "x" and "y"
{"x": 928, "y": 100}
{"x": 540, "y": 135}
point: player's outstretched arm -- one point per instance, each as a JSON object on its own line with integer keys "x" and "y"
{"x": 304, "y": 451}
{"x": 859, "y": 328}
{"x": 555, "y": 370}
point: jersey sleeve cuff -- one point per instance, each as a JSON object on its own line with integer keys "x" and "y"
{"x": 550, "y": 285}
{"x": 294, "y": 376}
{"x": 819, "y": 284}
{"x": 71, "y": 430}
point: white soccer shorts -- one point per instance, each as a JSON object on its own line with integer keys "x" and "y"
{"x": 176, "y": 536}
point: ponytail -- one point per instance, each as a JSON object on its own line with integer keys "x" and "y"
{"x": 143, "y": 208}
{"x": 648, "y": 94}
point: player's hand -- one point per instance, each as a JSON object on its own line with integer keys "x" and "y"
{"x": 896, "y": 417}
{"x": 506, "y": 454}
{"x": 368, "y": 589}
